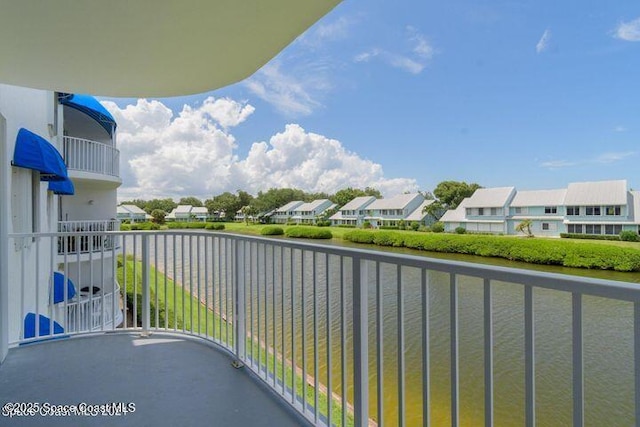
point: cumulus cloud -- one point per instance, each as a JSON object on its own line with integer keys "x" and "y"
{"x": 629, "y": 31}
{"x": 300, "y": 159}
{"x": 416, "y": 60}
{"x": 543, "y": 43}
{"x": 194, "y": 153}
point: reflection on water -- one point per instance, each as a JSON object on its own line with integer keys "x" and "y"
{"x": 608, "y": 336}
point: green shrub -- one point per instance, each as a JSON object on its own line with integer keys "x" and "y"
{"x": 323, "y": 223}
{"x": 461, "y": 230}
{"x": 537, "y": 251}
{"x": 437, "y": 227}
{"x": 390, "y": 227}
{"x": 346, "y": 226}
{"x": 125, "y": 227}
{"x": 589, "y": 236}
{"x": 424, "y": 229}
{"x": 402, "y": 225}
{"x": 214, "y": 226}
{"x": 415, "y": 225}
{"x": 366, "y": 225}
{"x": 272, "y": 230}
{"x": 629, "y": 236}
{"x": 308, "y": 233}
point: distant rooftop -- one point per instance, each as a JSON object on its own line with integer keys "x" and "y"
{"x": 358, "y": 203}
{"x": 490, "y": 197}
{"x": 418, "y": 214}
{"x": 289, "y": 206}
{"x": 397, "y": 202}
{"x": 596, "y": 193}
{"x": 131, "y": 209}
{"x": 539, "y": 198}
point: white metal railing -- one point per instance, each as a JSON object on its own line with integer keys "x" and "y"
{"x": 91, "y": 312}
{"x": 76, "y": 239}
{"x": 371, "y": 332}
{"x": 91, "y": 156}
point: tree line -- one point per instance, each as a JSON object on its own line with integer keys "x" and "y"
{"x": 447, "y": 194}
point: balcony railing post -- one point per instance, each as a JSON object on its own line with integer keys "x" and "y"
{"x": 239, "y": 337}
{"x": 360, "y": 343}
{"x": 146, "y": 309}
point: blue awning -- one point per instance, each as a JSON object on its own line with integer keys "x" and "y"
{"x": 58, "y": 288}
{"x": 34, "y": 152}
{"x": 92, "y": 108}
{"x": 62, "y": 188}
{"x": 44, "y": 326}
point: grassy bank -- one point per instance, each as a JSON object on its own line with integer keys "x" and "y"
{"x": 536, "y": 251}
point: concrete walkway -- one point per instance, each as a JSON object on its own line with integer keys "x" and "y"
{"x": 172, "y": 380}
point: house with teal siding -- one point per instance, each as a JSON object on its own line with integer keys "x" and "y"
{"x": 545, "y": 209}
{"x": 353, "y": 212}
{"x": 486, "y": 211}
{"x": 388, "y": 212}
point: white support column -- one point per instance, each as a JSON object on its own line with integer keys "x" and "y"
{"x": 4, "y": 242}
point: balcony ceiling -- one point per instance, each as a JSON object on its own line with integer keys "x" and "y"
{"x": 146, "y": 48}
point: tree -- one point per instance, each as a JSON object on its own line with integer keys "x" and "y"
{"x": 344, "y": 196}
{"x": 449, "y": 195}
{"x": 166, "y": 205}
{"x": 193, "y": 201}
{"x": 525, "y": 227}
{"x": 275, "y": 198}
{"x": 158, "y": 216}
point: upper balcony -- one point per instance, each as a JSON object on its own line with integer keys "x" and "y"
{"x": 85, "y": 158}
{"x": 352, "y": 336}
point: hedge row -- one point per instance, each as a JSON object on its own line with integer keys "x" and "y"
{"x": 178, "y": 225}
{"x": 590, "y": 236}
{"x": 536, "y": 251}
{"x": 308, "y": 233}
{"x": 214, "y": 226}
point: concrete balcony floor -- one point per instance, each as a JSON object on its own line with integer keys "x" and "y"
{"x": 173, "y": 381}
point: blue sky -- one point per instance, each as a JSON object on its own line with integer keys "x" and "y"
{"x": 534, "y": 94}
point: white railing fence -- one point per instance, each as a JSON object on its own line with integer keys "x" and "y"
{"x": 76, "y": 240}
{"x": 354, "y": 337}
{"x": 91, "y": 156}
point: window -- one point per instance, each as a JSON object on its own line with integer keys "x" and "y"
{"x": 469, "y": 211}
{"x": 480, "y": 211}
{"x": 550, "y": 209}
{"x": 518, "y": 210}
{"x": 612, "y": 210}
{"x": 593, "y": 229}
{"x": 545, "y": 226}
{"x": 593, "y": 210}
{"x": 573, "y": 210}
{"x": 575, "y": 228}
{"x": 612, "y": 229}
{"x": 494, "y": 211}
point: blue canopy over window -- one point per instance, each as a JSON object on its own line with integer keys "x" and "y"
{"x": 91, "y": 107}
{"x": 62, "y": 188}
{"x": 34, "y": 152}
{"x": 58, "y": 288}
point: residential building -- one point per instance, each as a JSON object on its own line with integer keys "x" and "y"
{"x": 308, "y": 213}
{"x": 131, "y": 213}
{"x": 387, "y": 212}
{"x": 603, "y": 207}
{"x": 420, "y": 216}
{"x": 187, "y": 213}
{"x": 284, "y": 213}
{"x": 353, "y": 212}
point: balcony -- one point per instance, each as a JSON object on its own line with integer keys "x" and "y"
{"x": 80, "y": 237}
{"x": 83, "y": 155}
{"x": 352, "y": 336}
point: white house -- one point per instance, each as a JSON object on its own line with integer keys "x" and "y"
{"x": 353, "y": 212}
{"x": 597, "y": 208}
{"x": 308, "y": 213}
{"x": 419, "y": 215}
{"x": 132, "y": 213}
{"x": 284, "y": 213}
{"x": 387, "y": 212}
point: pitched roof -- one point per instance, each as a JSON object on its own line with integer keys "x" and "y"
{"x": 596, "y": 193}
{"x": 133, "y": 209}
{"x": 289, "y": 206}
{"x": 199, "y": 210}
{"x": 358, "y": 203}
{"x": 418, "y": 214}
{"x": 539, "y": 198}
{"x": 397, "y": 202}
{"x": 495, "y": 197}
{"x": 183, "y": 209}
{"x": 311, "y": 206}
{"x": 458, "y": 214}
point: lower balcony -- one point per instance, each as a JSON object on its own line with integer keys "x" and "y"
{"x": 92, "y": 157}
{"x": 337, "y": 336}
